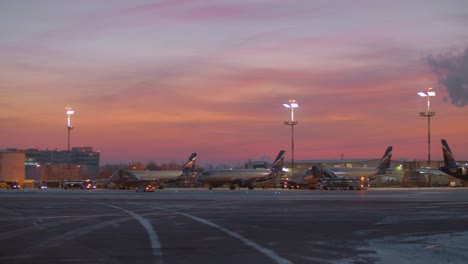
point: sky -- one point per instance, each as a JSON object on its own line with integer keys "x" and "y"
{"x": 158, "y": 80}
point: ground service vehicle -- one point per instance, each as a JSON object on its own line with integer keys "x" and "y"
{"x": 342, "y": 184}
{"x": 89, "y": 185}
{"x": 12, "y": 185}
{"x": 145, "y": 188}
{"x": 71, "y": 185}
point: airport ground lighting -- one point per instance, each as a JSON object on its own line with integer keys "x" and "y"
{"x": 291, "y": 104}
{"x": 428, "y": 94}
{"x": 69, "y": 112}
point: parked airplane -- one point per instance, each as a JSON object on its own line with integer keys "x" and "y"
{"x": 242, "y": 177}
{"x": 308, "y": 178}
{"x": 312, "y": 175}
{"x": 355, "y": 172}
{"x": 451, "y": 167}
{"x": 131, "y": 179}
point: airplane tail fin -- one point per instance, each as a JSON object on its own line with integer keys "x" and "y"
{"x": 278, "y": 163}
{"x": 189, "y": 167}
{"x": 449, "y": 159}
{"x": 385, "y": 161}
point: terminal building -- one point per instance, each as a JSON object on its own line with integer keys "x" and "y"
{"x": 49, "y": 165}
{"x": 12, "y": 165}
{"x": 78, "y": 164}
{"x": 302, "y": 165}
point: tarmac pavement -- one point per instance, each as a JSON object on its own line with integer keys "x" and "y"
{"x": 234, "y": 226}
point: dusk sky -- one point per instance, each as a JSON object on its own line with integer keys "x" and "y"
{"x": 158, "y": 80}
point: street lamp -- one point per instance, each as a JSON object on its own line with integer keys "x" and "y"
{"x": 428, "y": 93}
{"x": 292, "y": 104}
{"x": 69, "y": 128}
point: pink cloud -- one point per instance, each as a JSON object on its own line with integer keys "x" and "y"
{"x": 221, "y": 97}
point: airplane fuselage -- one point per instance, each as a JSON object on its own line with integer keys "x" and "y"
{"x": 354, "y": 172}
{"x": 311, "y": 175}
{"x": 127, "y": 179}
{"x": 144, "y": 176}
{"x": 332, "y": 172}
{"x": 217, "y": 177}
{"x": 157, "y": 175}
{"x": 242, "y": 177}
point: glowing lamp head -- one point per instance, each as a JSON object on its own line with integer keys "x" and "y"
{"x": 428, "y": 92}
{"x": 69, "y": 113}
{"x": 292, "y": 104}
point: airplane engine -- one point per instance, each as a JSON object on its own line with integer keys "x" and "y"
{"x": 243, "y": 184}
{"x": 247, "y": 184}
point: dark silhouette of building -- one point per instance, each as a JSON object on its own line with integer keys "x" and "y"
{"x": 53, "y": 164}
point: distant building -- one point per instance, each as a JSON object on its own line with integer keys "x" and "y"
{"x": 77, "y": 155}
{"x": 257, "y": 165}
{"x": 303, "y": 165}
{"x": 53, "y": 165}
{"x": 12, "y": 165}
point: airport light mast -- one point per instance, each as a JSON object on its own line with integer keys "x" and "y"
{"x": 69, "y": 128}
{"x": 292, "y": 104}
{"x": 428, "y": 93}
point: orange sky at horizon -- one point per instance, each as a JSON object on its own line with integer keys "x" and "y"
{"x": 158, "y": 81}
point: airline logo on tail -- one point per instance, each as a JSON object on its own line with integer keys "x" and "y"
{"x": 278, "y": 164}
{"x": 450, "y": 164}
{"x": 449, "y": 159}
{"x": 385, "y": 160}
{"x": 190, "y": 165}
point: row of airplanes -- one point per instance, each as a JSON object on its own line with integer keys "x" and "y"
{"x": 249, "y": 177}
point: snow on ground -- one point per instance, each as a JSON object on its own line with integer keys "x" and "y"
{"x": 416, "y": 249}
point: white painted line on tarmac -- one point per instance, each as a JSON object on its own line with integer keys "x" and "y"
{"x": 269, "y": 253}
{"x": 153, "y": 236}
